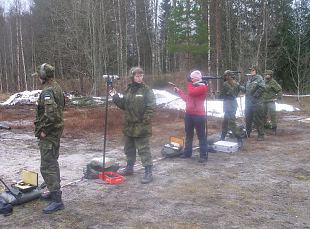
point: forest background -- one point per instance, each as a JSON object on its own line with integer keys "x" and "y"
{"x": 85, "y": 39}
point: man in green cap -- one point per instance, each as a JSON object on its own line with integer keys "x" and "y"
{"x": 273, "y": 91}
{"x": 254, "y": 108}
{"x": 229, "y": 94}
{"x": 49, "y": 126}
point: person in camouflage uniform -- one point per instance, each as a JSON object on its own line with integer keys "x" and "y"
{"x": 273, "y": 91}
{"x": 229, "y": 94}
{"x": 49, "y": 126}
{"x": 254, "y": 108}
{"x": 138, "y": 102}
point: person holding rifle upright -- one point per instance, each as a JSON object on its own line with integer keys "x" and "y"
{"x": 195, "y": 115}
{"x": 229, "y": 93}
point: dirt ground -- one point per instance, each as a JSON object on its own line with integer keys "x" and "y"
{"x": 266, "y": 185}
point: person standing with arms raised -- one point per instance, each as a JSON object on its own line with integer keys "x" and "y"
{"x": 195, "y": 114}
{"x": 229, "y": 94}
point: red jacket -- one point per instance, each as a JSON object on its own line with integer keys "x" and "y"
{"x": 194, "y": 99}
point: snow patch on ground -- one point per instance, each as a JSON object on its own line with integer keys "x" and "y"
{"x": 164, "y": 99}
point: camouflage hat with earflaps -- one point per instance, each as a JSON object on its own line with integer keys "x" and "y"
{"x": 268, "y": 72}
{"x": 44, "y": 71}
{"x": 135, "y": 70}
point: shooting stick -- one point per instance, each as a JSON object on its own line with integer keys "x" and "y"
{"x": 105, "y": 123}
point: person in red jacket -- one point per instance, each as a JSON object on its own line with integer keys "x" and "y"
{"x": 195, "y": 114}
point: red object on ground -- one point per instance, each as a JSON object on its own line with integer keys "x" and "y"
{"x": 111, "y": 177}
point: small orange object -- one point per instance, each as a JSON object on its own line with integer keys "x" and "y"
{"x": 111, "y": 177}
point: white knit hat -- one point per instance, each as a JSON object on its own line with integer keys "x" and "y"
{"x": 196, "y": 75}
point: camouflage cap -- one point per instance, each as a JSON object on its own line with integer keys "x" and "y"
{"x": 253, "y": 67}
{"x": 44, "y": 71}
{"x": 228, "y": 73}
{"x": 135, "y": 70}
{"x": 268, "y": 72}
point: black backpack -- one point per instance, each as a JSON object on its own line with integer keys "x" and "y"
{"x": 5, "y": 208}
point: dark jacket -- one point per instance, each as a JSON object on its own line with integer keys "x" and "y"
{"x": 49, "y": 113}
{"x": 138, "y": 102}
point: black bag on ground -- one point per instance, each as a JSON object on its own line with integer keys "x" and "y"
{"x": 170, "y": 150}
{"x": 5, "y": 208}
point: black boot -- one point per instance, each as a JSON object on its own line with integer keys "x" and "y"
{"x": 274, "y": 129}
{"x": 203, "y": 159}
{"x": 128, "y": 169}
{"x": 56, "y": 204}
{"x": 46, "y": 196}
{"x": 148, "y": 176}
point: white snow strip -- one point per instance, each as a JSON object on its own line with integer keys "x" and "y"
{"x": 164, "y": 99}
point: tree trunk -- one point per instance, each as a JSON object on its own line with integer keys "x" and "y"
{"x": 17, "y": 54}
{"x": 262, "y": 33}
{"x": 136, "y": 36}
{"x": 218, "y": 40}
{"x": 22, "y": 53}
{"x": 228, "y": 27}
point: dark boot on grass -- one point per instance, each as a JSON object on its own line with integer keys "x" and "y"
{"x": 56, "y": 204}
{"x": 128, "y": 171}
{"x": 148, "y": 176}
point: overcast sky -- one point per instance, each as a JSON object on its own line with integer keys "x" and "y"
{"x": 8, "y": 3}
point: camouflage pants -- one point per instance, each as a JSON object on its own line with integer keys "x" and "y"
{"x": 229, "y": 123}
{"x": 49, "y": 164}
{"x": 140, "y": 144}
{"x": 254, "y": 113}
{"x": 270, "y": 110}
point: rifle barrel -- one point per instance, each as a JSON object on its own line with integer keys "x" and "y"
{"x": 210, "y": 78}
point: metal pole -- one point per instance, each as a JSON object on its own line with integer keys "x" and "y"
{"x": 207, "y": 120}
{"x": 105, "y": 125}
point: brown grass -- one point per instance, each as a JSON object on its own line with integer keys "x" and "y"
{"x": 303, "y": 104}
{"x": 4, "y": 96}
{"x": 81, "y": 120}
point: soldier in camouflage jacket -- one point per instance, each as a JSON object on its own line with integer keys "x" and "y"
{"x": 138, "y": 102}
{"x": 273, "y": 91}
{"x": 49, "y": 126}
{"x": 229, "y": 94}
{"x": 254, "y": 108}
